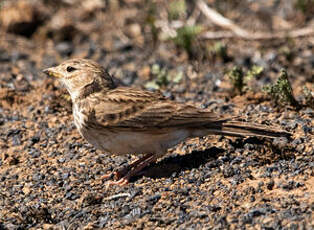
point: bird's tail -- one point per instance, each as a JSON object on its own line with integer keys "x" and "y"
{"x": 240, "y": 129}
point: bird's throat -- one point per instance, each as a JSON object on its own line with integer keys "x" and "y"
{"x": 89, "y": 89}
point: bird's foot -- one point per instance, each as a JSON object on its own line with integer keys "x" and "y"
{"x": 116, "y": 178}
{"x": 123, "y": 181}
{"x": 123, "y": 175}
{"x": 117, "y": 175}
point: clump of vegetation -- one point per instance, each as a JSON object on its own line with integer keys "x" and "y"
{"x": 305, "y": 6}
{"x": 239, "y": 78}
{"x": 220, "y": 50}
{"x": 236, "y": 76}
{"x": 309, "y": 97}
{"x": 281, "y": 92}
{"x": 253, "y": 72}
{"x": 287, "y": 52}
{"x": 186, "y": 36}
{"x": 150, "y": 20}
{"x": 162, "y": 77}
{"x": 176, "y": 9}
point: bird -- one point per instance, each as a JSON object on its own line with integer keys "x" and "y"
{"x": 120, "y": 120}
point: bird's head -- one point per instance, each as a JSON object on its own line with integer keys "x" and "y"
{"x": 81, "y": 76}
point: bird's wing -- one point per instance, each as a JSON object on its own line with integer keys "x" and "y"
{"x": 133, "y": 108}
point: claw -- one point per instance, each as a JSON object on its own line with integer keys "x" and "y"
{"x": 124, "y": 174}
{"x": 107, "y": 176}
{"x": 123, "y": 181}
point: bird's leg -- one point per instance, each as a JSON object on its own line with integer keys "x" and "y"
{"x": 124, "y": 170}
{"x": 118, "y": 174}
{"x": 133, "y": 170}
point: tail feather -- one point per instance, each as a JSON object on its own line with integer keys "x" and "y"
{"x": 240, "y": 129}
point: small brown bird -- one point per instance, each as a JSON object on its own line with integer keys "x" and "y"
{"x": 123, "y": 120}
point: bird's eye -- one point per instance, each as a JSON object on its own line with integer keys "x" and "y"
{"x": 70, "y": 69}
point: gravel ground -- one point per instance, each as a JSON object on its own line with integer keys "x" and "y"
{"x": 49, "y": 175}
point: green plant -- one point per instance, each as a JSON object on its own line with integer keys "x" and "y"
{"x": 176, "y": 9}
{"x": 239, "y": 79}
{"x": 236, "y": 76}
{"x": 162, "y": 77}
{"x": 309, "y": 97}
{"x": 219, "y": 49}
{"x": 304, "y": 5}
{"x": 287, "y": 52}
{"x": 281, "y": 92}
{"x": 185, "y": 37}
{"x": 150, "y": 20}
{"x": 254, "y": 72}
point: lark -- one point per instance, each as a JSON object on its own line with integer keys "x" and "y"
{"x": 123, "y": 120}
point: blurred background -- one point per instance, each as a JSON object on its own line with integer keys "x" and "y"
{"x": 132, "y": 36}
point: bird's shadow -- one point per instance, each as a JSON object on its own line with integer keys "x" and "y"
{"x": 174, "y": 164}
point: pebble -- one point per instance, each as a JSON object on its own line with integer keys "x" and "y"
{"x": 65, "y": 48}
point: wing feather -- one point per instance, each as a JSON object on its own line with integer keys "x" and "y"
{"x": 132, "y": 108}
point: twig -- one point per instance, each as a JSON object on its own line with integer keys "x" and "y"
{"x": 120, "y": 195}
{"x": 217, "y": 34}
{"x": 237, "y": 31}
{"x": 307, "y": 31}
{"x": 192, "y": 19}
{"x": 220, "y": 20}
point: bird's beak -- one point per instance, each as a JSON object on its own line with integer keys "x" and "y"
{"x": 52, "y": 72}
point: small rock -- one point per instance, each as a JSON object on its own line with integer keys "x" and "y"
{"x": 213, "y": 208}
{"x": 280, "y": 142}
{"x": 129, "y": 77}
{"x": 65, "y": 48}
{"x": 307, "y": 129}
{"x": 154, "y": 199}
{"x": 228, "y": 171}
{"x": 134, "y": 30}
{"x": 270, "y": 185}
{"x": 35, "y": 139}
{"x": 4, "y": 56}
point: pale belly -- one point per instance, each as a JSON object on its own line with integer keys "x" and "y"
{"x": 126, "y": 142}
{"x": 123, "y": 142}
